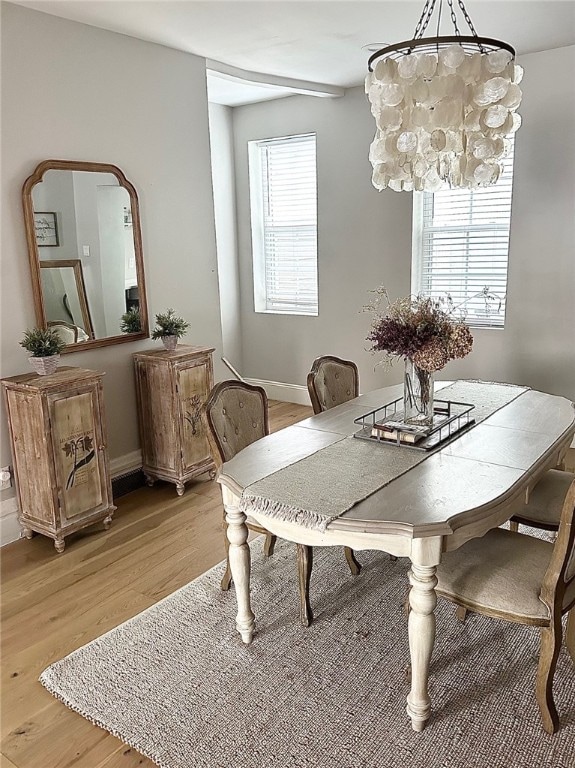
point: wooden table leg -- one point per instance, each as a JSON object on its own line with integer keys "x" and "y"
{"x": 239, "y": 558}
{"x": 421, "y": 626}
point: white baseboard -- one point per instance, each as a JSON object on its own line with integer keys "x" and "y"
{"x": 289, "y": 393}
{"x": 126, "y": 463}
{"x": 9, "y": 526}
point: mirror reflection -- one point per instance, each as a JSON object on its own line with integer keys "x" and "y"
{"x": 65, "y": 301}
{"x": 86, "y": 244}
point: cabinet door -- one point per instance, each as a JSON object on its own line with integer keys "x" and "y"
{"x": 76, "y": 439}
{"x": 194, "y": 384}
{"x": 158, "y": 428}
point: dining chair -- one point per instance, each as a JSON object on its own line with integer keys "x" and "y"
{"x": 333, "y": 381}
{"x": 545, "y": 501}
{"x": 525, "y": 580}
{"x": 69, "y": 333}
{"x": 234, "y": 416}
{"x": 542, "y": 510}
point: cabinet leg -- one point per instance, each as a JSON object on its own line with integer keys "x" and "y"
{"x": 150, "y": 480}
{"x": 28, "y": 533}
{"x": 180, "y": 488}
{"x": 60, "y": 545}
{"x": 107, "y": 522}
{"x": 212, "y": 474}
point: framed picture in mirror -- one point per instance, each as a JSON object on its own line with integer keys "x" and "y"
{"x": 46, "y": 229}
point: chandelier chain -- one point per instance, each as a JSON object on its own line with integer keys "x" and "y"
{"x": 467, "y": 17}
{"x": 453, "y": 19}
{"x": 428, "y": 11}
{"x": 424, "y": 19}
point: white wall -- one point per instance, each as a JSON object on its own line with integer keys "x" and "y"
{"x": 365, "y": 240}
{"x": 105, "y": 97}
{"x": 537, "y": 345}
{"x": 222, "y": 158}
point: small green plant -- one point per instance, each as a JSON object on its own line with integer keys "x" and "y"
{"x": 131, "y": 321}
{"x": 167, "y": 324}
{"x": 42, "y": 342}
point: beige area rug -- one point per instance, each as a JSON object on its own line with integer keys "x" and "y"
{"x": 177, "y": 684}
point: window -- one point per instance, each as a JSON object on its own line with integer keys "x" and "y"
{"x": 461, "y": 245}
{"x": 283, "y": 193}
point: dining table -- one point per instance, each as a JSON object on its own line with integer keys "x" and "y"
{"x": 314, "y": 483}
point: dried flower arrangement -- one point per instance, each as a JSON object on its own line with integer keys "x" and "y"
{"x": 426, "y": 333}
{"x": 421, "y": 329}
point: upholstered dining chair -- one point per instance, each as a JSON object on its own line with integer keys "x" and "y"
{"x": 333, "y": 381}
{"x": 522, "y": 579}
{"x": 234, "y": 416}
{"x": 545, "y": 501}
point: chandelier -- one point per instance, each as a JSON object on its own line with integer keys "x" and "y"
{"x": 444, "y": 107}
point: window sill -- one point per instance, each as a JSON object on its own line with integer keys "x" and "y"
{"x": 291, "y": 312}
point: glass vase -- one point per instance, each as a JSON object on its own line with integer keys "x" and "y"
{"x": 417, "y": 395}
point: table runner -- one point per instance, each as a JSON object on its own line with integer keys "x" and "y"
{"x": 319, "y": 488}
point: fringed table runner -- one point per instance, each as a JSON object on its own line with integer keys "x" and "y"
{"x": 320, "y": 488}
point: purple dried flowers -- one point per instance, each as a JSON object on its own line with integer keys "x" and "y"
{"x": 419, "y": 328}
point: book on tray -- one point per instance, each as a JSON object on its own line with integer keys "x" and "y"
{"x": 392, "y": 429}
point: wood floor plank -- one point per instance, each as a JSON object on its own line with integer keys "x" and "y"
{"x": 32, "y": 744}
{"x": 24, "y": 666}
{"x": 6, "y": 763}
{"x": 126, "y": 757}
{"x": 53, "y": 604}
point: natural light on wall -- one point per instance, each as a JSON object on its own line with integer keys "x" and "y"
{"x": 283, "y": 198}
{"x": 461, "y": 246}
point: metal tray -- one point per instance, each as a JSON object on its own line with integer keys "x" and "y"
{"x": 451, "y": 418}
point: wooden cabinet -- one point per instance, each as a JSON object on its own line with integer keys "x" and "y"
{"x": 172, "y": 387}
{"x": 61, "y": 466}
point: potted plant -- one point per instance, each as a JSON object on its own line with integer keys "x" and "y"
{"x": 169, "y": 328}
{"x": 44, "y": 346}
{"x": 131, "y": 321}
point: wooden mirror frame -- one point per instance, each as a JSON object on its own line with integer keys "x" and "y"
{"x": 34, "y": 255}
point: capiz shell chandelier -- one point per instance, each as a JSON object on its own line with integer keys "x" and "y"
{"x": 444, "y": 108}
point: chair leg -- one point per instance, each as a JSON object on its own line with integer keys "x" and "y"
{"x": 461, "y": 613}
{"x": 513, "y": 526}
{"x": 304, "y": 566}
{"x": 548, "y": 655}
{"x": 354, "y": 566}
{"x": 570, "y": 634}
{"x": 227, "y": 577}
{"x": 269, "y": 544}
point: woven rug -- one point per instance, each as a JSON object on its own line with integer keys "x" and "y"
{"x": 177, "y": 684}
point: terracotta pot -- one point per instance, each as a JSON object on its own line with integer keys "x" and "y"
{"x": 44, "y": 366}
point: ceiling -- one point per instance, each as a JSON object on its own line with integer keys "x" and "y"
{"x": 318, "y": 41}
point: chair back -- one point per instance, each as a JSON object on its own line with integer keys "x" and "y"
{"x": 332, "y": 381}
{"x": 235, "y": 415}
{"x": 66, "y": 331}
{"x": 558, "y": 588}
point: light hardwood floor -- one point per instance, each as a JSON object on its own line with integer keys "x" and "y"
{"x": 52, "y": 604}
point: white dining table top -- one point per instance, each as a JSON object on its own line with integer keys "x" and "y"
{"x": 471, "y": 474}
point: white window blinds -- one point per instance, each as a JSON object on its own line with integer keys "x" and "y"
{"x": 462, "y": 247}
{"x": 283, "y": 189}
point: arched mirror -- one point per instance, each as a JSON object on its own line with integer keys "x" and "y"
{"x": 85, "y": 247}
